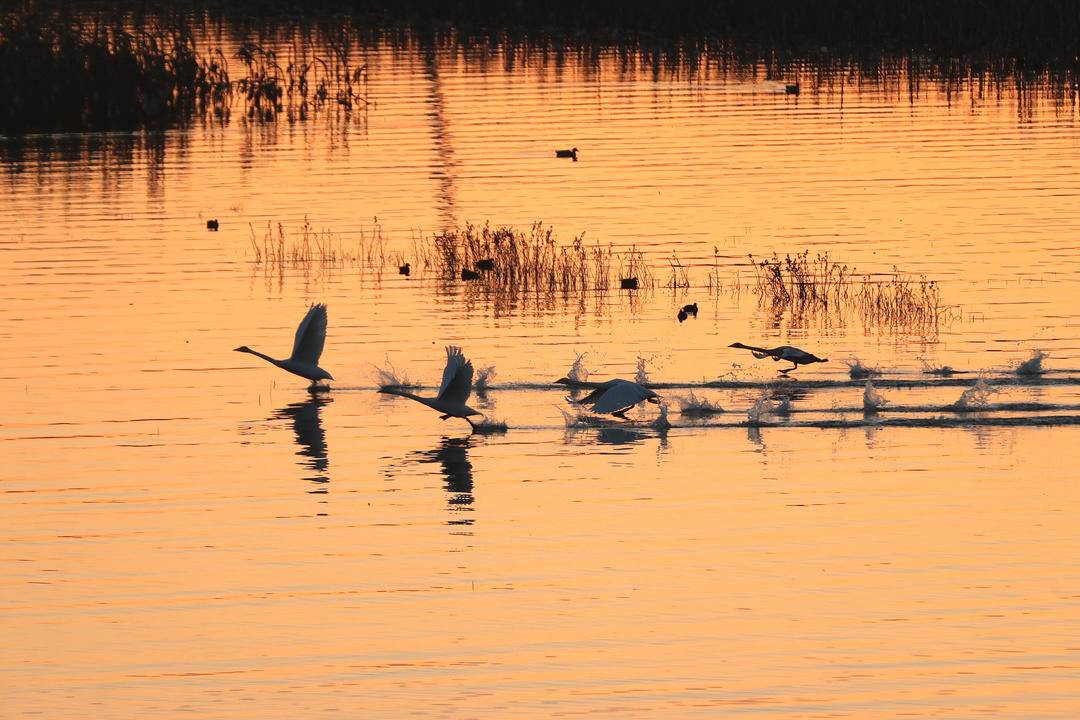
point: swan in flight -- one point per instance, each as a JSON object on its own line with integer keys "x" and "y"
{"x": 793, "y": 355}
{"x": 454, "y": 391}
{"x": 613, "y": 397}
{"x": 307, "y": 347}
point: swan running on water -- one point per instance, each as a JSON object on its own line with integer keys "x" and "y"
{"x": 613, "y": 397}
{"x": 454, "y": 391}
{"x": 793, "y": 355}
{"x": 307, "y": 347}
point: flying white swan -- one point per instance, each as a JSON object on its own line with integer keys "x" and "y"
{"x": 454, "y": 391}
{"x": 613, "y": 397}
{"x": 307, "y": 347}
{"x": 793, "y": 355}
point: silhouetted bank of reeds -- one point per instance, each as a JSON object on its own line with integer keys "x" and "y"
{"x": 62, "y": 73}
{"x": 802, "y": 285}
{"x": 65, "y": 72}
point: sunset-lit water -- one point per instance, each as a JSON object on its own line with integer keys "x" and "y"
{"x": 186, "y": 529}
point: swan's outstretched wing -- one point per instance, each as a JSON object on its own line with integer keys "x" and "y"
{"x": 621, "y": 396}
{"x": 457, "y": 377}
{"x": 310, "y": 336}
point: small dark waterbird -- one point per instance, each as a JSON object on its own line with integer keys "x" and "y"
{"x": 404, "y": 269}
{"x": 612, "y": 397}
{"x": 307, "y": 348}
{"x": 571, "y": 153}
{"x": 212, "y": 224}
{"x": 467, "y": 274}
{"x": 690, "y": 309}
{"x": 791, "y": 89}
{"x": 682, "y": 315}
{"x": 628, "y": 283}
{"x": 486, "y": 265}
{"x": 454, "y": 391}
{"x": 793, "y": 355}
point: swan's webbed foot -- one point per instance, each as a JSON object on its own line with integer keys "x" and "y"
{"x": 620, "y": 414}
{"x": 445, "y": 417}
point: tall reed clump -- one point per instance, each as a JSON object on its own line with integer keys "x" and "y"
{"x": 805, "y": 285}
{"x": 59, "y": 73}
{"x": 306, "y": 246}
{"x": 521, "y": 261}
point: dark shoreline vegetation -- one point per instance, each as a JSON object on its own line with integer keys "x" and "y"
{"x": 130, "y": 64}
{"x": 510, "y": 267}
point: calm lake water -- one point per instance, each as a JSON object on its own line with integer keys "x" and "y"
{"x": 186, "y": 529}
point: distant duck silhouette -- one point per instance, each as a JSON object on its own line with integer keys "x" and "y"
{"x": 307, "y": 348}
{"x": 793, "y": 355}
{"x": 628, "y": 283}
{"x": 682, "y": 315}
{"x": 487, "y": 264}
{"x": 404, "y": 269}
{"x": 690, "y": 309}
{"x": 791, "y": 89}
{"x": 571, "y": 153}
{"x": 467, "y": 274}
{"x": 212, "y": 224}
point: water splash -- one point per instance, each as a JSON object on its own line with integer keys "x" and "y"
{"x": 858, "y": 371}
{"x": 939, "y": 370}
{"x": 577, "y": 370}
{"x": 1033, "y": 365}
{"x": 641, "y": 377}
{"x": 975, "y": 397}
{"x": 388, "y": 377}
{"x": 490, "y": 426}
{"x": 691, "y": 404}
{"x": 761, "y": 407}
{"x": 484, "y": 376}
{"x": 872, "y": 401}
{"x": 662, "y": 423}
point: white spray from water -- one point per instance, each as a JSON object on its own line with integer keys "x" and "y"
{"x": 872, "y": 401}
{"x": 577, "y": 369}
{"x": 642, "y": 375}
{"x": 975, "y": 397}
{"x": 484, "y": 376}
{"x": 762, "y": 406}
{"x": 691, "y": 404}
{"x": 389, "y": 377}
{"x": 858, "y": 371}
{"x": 1033, "y": 365}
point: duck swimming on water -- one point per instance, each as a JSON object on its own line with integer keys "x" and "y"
{"x": 793, "y": 355}
{"x": 571, "y": 153}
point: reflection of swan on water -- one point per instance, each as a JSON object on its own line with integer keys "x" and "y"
{"x": 793, "y": 355}
{"x": 307, "y": 347}
{"x": 454, "y": 391}
{"x": 613, "y": 397}
{"x": 453, "y": 455}
{"x": 310, "y": 436}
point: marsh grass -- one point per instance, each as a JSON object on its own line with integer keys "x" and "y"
{"x": 93, "y": 72}
{"x": 278, "y": 247}
{"x": 526, "y": 261}
{"x": 64, "y": 73}
{"x": 803, "y": 285}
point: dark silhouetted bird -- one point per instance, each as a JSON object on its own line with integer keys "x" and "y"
{"x": 211, "y": 224}
{"x": 793, "y": 355}
{"x": 467, "y": 274}
{"x": 571, "y": 153}
{"x": 404, "y": 269}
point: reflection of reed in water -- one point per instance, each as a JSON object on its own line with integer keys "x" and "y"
{"x": 310, "y": 437}
{"x": 453, "y": 455}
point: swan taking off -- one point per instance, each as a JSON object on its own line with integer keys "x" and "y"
{"x": 793, "y": 355}
{"x": 307, "y": 347}
{"x": 454, "y": 391}
{"x": 613, "y": 397}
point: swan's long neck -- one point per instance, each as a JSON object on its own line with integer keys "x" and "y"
{"x": 407, "y": 394}
{"x": 267, "y": 358}
{"x": 755, "y": 349}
